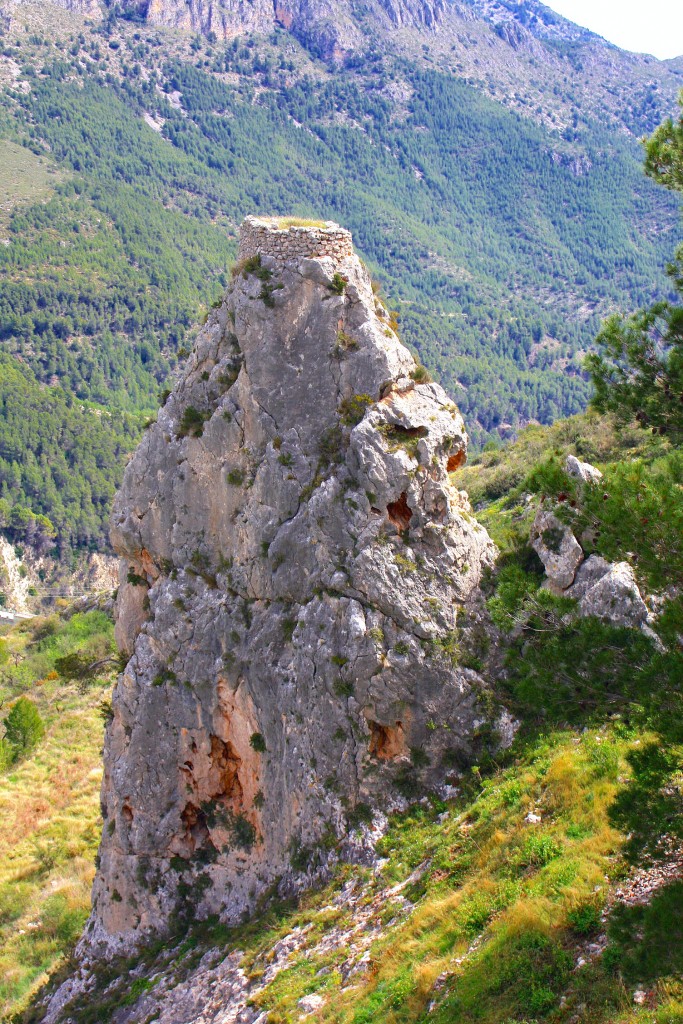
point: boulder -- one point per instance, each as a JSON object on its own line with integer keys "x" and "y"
{"x": 609, "y": 591}
{"x": 582, "y": 471}
{"x": 557, "y": 547}
{"x": 311, "y": 1003}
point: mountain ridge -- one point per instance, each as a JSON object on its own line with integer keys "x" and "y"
{"x": 513, "y": 36}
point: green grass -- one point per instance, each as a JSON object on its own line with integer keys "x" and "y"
{"x": 24, "y": 178}
{"x": 502, "y": 470}
{"x": 635, "y": 513}
{"x": 502, "y": 911}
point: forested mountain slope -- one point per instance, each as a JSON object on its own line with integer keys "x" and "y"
{"x": 501, "y": 239}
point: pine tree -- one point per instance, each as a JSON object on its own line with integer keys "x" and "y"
{"x": 637, "y": 371}
{"x": 24, "y": 727}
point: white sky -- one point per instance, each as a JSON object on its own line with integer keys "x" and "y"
{"x": 645, "y": 26}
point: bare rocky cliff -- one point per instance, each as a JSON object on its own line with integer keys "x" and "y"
{"x": 328, "y": 27}
{"x": 295, "y": 567}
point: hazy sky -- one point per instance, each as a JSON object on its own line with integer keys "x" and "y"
{"x": 646, "y": 26}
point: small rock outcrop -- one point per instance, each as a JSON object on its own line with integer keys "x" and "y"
{"x": 557, "y": 547}
{"x": 606, "y": 590}
{"x": 294, "y": 566}
{"x": 609, "y": 591}
{"x": 582, "y": 471}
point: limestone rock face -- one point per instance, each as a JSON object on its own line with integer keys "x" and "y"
{"x": 557, "y": 547}
{"x": 424, "y": 13}
{"x": 327, "y": 27}
{"x": 294, "y": 562}
{"x": 324, "y": 26}
{"x": 91, "y": 8}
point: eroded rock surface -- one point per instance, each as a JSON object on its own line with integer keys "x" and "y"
{"x": 294, "y": 564}
{"x": 606, "y": 590}
{"x": 330, "y": 29}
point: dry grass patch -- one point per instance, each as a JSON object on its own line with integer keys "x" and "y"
{"x": 298, "y": 222}
{"x": 49, "y": 806}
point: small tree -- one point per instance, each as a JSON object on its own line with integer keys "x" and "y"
{"x": 638, "y": 369}
{"x": 24, "y": 727}
{"x": 664, "y": 153}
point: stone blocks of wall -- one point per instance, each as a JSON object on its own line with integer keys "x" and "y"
{"x": 264, "y": 236}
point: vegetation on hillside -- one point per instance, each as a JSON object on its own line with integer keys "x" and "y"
{"x": 638, "y": 369}
{"x": 60, "y": 462}
{"x": 501, "y": 245}
{"x": 514, "y": 911}
{"x": 524, "y": 893}
{"x": 50, "y": 769}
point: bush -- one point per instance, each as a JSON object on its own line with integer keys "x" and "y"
{"x": 61, "y": 920}
{"x": 24, "y": 728}
{"x": 644, "y": 941}
{"x": 421, "y": 375}
{"x": 41, "y": 629}
{"x": 513, "y": 588}
{"x": 352, "y": 410}
{"x": 49, "y": 852}
{"x": 585, "y": 918}
{"x": 476, "y": 912}
{"x": 243, "y": 832}
{"x": 539, "y": 849}
{"x": 6, "y": 755}
{"x": 534, "y": 969}
{"x": 88, "y": 661}
{"x": 361, "y": 814}
{"x": 258, "y": 742}
{"x": 330, "y": 445}
{"x": 338, "y": 284}
{"x": 192, "y": 422}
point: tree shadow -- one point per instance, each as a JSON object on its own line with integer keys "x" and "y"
{"x": 646, "y": 942}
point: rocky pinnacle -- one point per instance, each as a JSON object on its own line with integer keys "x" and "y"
{"x": 296, "y": 567}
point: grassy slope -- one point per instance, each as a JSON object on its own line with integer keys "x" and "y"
{"x": 502, "y": 907}
{"x": 24, "y": 178}
{"x": 49, "y": 804}
{"x": 503, "y": 911}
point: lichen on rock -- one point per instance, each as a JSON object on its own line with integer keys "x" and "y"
{"x": 295, "y": 560}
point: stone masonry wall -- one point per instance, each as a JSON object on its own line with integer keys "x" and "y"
{"x": 262, "y": 235}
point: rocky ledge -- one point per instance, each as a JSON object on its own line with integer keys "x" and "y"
{"x": 295, "y": 568}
